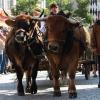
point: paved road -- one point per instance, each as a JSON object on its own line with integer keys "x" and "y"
{"x": 86, "y": 89}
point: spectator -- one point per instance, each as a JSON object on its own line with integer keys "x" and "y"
{"x": 36, "y": 12}
{"x": 4, "y": 58}
{"x": 54, "y": 9}
{"x": 2, "y": 39}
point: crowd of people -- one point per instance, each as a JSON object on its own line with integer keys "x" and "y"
{"x": 3, "y": 56}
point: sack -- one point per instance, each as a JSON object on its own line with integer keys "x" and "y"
{"x": 2, "y": 44}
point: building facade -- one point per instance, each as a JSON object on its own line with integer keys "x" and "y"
{"x": 94, "y": 8}
{"x": 7, "y": 4}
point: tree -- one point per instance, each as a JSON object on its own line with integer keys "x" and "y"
{"x": 82, "y": 10}
{"x": 24, "y": 6}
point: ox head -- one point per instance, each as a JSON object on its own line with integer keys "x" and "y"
{"x": 96, "y": 27}
{"x": 59, "y": 28}
{"x": 23, "y": 27}
{"x": 60, "y": 32}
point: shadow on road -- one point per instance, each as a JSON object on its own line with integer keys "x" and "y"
{"x": 86, "y": 89}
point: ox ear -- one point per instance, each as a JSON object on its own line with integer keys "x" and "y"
{"x": 10, "y": 22}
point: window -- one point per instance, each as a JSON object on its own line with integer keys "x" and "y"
{"x": 10, "y": 4}
{"x": 1, "y": 3}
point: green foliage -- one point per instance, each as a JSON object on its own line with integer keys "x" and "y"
{"x": 24, "y": 6}
{"x": 29, "y": 5}
{"x": 83, "y": 3}
{"x": 46, "y": 11}
{"x": 89, "y": 18}
{"x": 83, "y": 11}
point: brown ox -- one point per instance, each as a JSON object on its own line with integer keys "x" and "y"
{"x": 66, "y": 43}
{"x": 22, "y": 48}
{"x": 95, "y": 43}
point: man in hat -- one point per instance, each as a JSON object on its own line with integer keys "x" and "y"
{"x": 36, "y": 12}
{"x": 54, "y": 9}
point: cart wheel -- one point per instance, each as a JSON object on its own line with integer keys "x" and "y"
{"x": 87, "y": 72}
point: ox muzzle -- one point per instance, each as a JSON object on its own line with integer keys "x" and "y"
{"x": 53, "y": 47}
{"x": 21, "y": 36}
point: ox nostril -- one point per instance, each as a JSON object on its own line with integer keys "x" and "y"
{"x": 53, "y": 47}
{"x": 22, "y": 34}
{"x": 18, "y": 37}
{"x": 24, "y": 38}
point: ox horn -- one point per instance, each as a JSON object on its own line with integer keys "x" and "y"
{"x": 73, "y": 20}
{"x": 40, "y": 19}
{"x": 41, "y": 13}
{"x": 11, "y": 17}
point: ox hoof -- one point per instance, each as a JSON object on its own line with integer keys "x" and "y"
{"x": 21, "y": 94}
{"x": 57, "y": 94}
{"x": 94, "y": 75}
{"x": 27, "y": 90}
{"x": 34, "y": 91}
{"x": 73, "y": 95}
{"x": 33, "y": 88}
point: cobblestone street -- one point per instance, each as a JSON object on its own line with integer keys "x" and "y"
{"x": 86, "y": 89}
